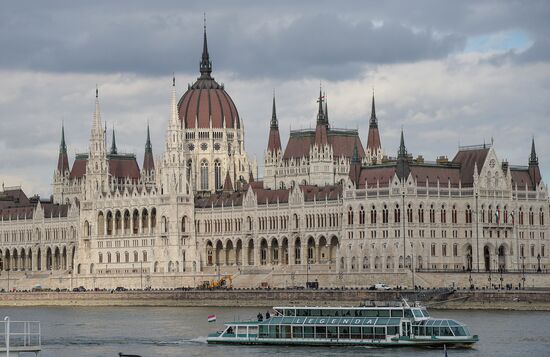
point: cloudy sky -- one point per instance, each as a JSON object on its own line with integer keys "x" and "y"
{"x": 449, "y": 72}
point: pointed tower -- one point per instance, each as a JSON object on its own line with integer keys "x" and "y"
{"x": 534, "y": 171}
{"x": 114, "y": 150}
{"x": 63, "y": 159}
{"x": 148, "y": 168}
{"x": 321, "y": 154}
{"x": 61, "y": 174}
{"x": 97, "y": 172}
{"x": 173, "y": 178}
{"x": 206, "y": 64}
{"x": 402, "y": 169}
{"x": 321, "y": 128}
{"x": 273, "y": 154}
{"x": 374, "y": 147}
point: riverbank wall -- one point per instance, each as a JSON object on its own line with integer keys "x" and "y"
{"x": 435, "y": 299}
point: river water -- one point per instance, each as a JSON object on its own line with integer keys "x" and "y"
{"x": 182, "y": 331}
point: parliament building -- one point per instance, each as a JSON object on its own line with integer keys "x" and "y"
{"x": 328, "y": 208}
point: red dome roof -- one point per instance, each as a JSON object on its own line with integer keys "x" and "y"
{"x": 206, "y": 100}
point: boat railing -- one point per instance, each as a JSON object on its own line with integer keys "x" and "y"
{"x": 20, "y": 335}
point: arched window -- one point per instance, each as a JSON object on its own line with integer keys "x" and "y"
{"x": 409, "y": 214}
{"x": 468, "y": 214}
{"x": 217, "y": 175}
{"x": 100, "y": 258}
{"x": 144, "y": 253}
{"x": 421, "y": 214}
{"x": 397, "y": 214}
{"x": 164, "y": 224}
{"x": 443, "y": 214}
{"x": 361, "y": 215}
{"x": 189, "y": 169}
{"x": 117, "y": 257}
{"x": 108, "y": 257}
{"x": 373, "y": 215}
{"x": 541, "y": 217}
{"x": 350, "y": 216}
{"x": 385, "y": 214}
{"x": 204, "y": 175}
{"x": 136, "y": 258}
{"x": 454, "y": 216}
{"x": 432, "y": 214}
{"x": 126, "y": 257}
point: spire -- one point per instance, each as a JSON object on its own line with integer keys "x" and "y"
{"x": 533, "y": 159}
{"x": 206, "y": 64}
{"x": 148, "y": 161}
{"x": 174, "y": 106}
{"x": 274, "y": 121}
{"x": 321, "y": 113}
{"x": 402, "y": 168}
{"x": 114, "y": 150}
{"x": 62, "y": 146}
{"x": 274, "y": 141}
{"x": 148, "y": 146}
{"x": 402, "y": 149}
{"x": 373, "y": 123}
{"x": 97, "y": 113}
{"x": 63, "y": 160}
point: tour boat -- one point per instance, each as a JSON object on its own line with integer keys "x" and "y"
{"x": 383, "y": 325}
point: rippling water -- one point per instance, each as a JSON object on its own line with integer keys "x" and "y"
{"x": 171, "y": 332}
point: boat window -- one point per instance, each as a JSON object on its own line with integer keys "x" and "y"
{"x": 308, "y": 331}
{"x": 417, "y": 313}
{"x": 253, "y": 331}
{"x": 346, "y": 313}
{"x": 429, "y": 331}
{"x": 382, "y": 321}
{"x": 297, "y": 331}
{"x": 393, "y": 330}
{"x": 356, "y": 333}
{"x": 344, "y": 332}
{"x": 320, "y": 332}
{"x": 445, "y": 331}
{"x": 332, "y": 332}
{"x": 379, "y": 333}
{"x": 368, "y": 333}
{"x": 264, "y": 331}
{"x": 408, "y": 313}
{"x": 383, "y": 313}
{"x": 371, "y": 313}
{"x": 425, "y": 313}
{"x": 302, "y": 312}
{"x": 396, "y": 313}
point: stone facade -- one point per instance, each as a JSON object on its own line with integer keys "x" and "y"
{"x": 327, "y": 206}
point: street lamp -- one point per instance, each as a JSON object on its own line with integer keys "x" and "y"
{"x": 501, "y": 278}
{"x": 523, "y": 270}
{"x": 538, "y": 258}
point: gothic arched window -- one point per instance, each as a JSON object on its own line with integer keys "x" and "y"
{"x": 204, "y": 175}
{"x": 217, "y": 175}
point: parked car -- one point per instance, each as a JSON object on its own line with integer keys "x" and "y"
{"x": 79, "y": 289}
{"x": 121, "y": 288}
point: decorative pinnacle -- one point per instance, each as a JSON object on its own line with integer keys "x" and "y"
{"x": 274, "y": 121}
{"x": 533, "y": 159}
{"x": 206, "y": 64}
{"x": 63, "y": 146}
{"x": 402, "y": 149}
{"x": 148, "y": 146}
{"x": 114, "y": 150}
{"x": 373, "y": 119}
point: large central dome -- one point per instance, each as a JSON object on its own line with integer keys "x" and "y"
{"x": 206, "y": 103}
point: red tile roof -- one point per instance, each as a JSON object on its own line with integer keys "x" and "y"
{"x": 467, "y": 158}
{"x": 342, "y": 142}
{"x": 120, "y": 166}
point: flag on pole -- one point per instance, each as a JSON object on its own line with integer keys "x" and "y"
{"x": 211, "y": 318}
{"x": 497, "y": 216}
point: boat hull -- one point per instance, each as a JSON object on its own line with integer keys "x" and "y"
{"x": 428, "y": 343}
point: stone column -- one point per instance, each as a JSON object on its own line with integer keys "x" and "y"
{"x": 291, "y": 252}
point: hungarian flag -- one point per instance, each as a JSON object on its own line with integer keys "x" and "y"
{"x": 211, "y": 318}
{"x": 497, "y": 216}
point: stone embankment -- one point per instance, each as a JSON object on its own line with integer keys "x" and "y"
{"x": 461, "y": 299}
